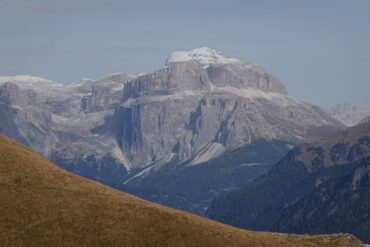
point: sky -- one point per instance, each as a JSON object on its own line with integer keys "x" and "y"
{"x": 320, "y": 49}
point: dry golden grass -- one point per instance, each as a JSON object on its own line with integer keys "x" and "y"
{"x": 43, "y": 205}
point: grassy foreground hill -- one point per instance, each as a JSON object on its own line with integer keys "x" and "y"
{"x": 43, "y": 205}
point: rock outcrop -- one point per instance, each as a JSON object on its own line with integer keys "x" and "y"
{"x": 23, "y": 119}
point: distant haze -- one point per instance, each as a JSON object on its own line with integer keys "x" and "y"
{"x": 319, "y": 48}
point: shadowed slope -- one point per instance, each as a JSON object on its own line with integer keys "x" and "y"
{"x": 322, "y": 187}
{"x": 42, "y": 205}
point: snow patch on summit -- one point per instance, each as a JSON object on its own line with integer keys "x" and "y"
{"x": 203, "y": 55}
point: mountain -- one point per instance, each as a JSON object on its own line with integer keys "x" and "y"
{"x": 192, "y": 105}
{"x": 43, "y": 205}
{"x": 62, "y": 122}
{"x": 349, "y": 114}
{"x": 202, "y": 113}
{"x": 323, "y": 187}
{"x": 365, "y": 120}
{"x": 179, "y": 127}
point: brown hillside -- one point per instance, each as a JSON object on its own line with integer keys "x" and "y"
{"x": 350, "y": 137}
{"x": 43, "y": 205}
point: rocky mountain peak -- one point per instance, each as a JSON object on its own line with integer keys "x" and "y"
{"x": 206, "y": 102}
{"x": 202, "y": 55}
{"x": 343, "y": 106}
{"x": 349, "y": 114}
{"x": 203, "y": 71}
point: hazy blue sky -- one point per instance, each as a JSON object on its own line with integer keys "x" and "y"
{"x": 320, "y": 49}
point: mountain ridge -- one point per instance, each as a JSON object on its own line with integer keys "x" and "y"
{"x": 318, "y": 187}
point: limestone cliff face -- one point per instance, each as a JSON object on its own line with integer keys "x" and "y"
{"x": 189, "y": 107}
{"x": 172, "y": 78}
{"x": 244, "y": 75}
{"x": 199, "y": 105}
{"x": 107, "y": 93}
{"x": 58, "y": 120}
{"x": 22, "y": 118}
